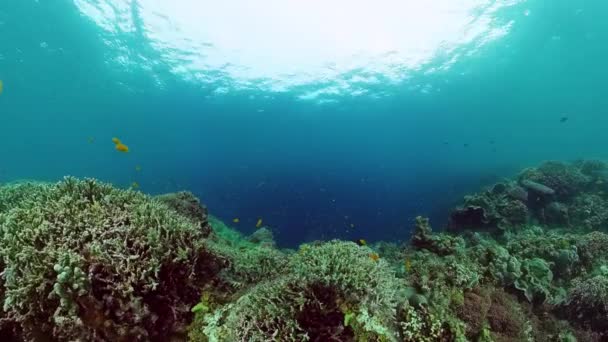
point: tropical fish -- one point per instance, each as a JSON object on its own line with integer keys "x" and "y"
{"x": 134, "y": 185}
{"x": 1, "y": 86}
{"x": 122, "y": 147}
{"x": 236, "y": 220}
{"x": 137, "y": 168}
{"x": 91, "y": 140}
{"x": 374, "y": 256}
{"x": 259, "y": 223}
{"x": 116, "y": 141}
{"x": 408, "y": 264}
{"x": 352, "y": 225}
{"x": 361, "y": 242}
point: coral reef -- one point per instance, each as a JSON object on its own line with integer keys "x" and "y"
{"x": 523, "y": 260}
{"x": 555, "y": 193}
{"x": 84, "y": 260}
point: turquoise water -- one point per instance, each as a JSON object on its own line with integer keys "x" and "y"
{"x": 310, "y": 139}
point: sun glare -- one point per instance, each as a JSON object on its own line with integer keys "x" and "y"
{"x": 277, "y": 45}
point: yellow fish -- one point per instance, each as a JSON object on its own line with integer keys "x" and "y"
{"x": 259, "y": 223}
{"x": 116, "y": 141}
{"x": 122, "y": 147}
{"x": 134, "y": 185}
{"x": 236, "y": 220}
{"x": 374, "y": 256}
{"x": 137, "y": 168}
{"x": 1, "y": 86}
{"x": 361, "y": 242}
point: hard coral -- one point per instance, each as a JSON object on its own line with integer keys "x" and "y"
{"x": 491, "y": 209}
{"x": 590, "y": 211}
{"x": 565, "y": 179}
{"x": 442, "y": 244}
{"x": 587, "y": 303}
{"x": 90, "y": 262}
{"x": 333, "y": 291}
{"x": 188, "y": 205}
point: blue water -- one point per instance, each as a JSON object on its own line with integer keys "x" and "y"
{"x": 308, "y": 167}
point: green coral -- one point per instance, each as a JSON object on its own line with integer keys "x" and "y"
{"x": 84, "y": 260}
{"x": 535, "y": 279}
{"x": 327, "y": 286}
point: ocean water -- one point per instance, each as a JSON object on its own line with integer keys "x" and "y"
{"x": 341, "y": 120}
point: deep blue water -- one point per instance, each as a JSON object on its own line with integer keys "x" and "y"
{"x": 308, "y": 168}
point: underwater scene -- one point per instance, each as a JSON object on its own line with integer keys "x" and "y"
{"x": 319, "y": 170}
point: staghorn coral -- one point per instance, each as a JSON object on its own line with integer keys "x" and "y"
{"x": 84, "y": 260}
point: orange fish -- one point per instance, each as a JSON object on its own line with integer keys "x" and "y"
{"x": 236, "y": 220}
{"x": 116, "y": 141}
{"x": 374, "y": 256}
{"x": 122, "y": 147}
{"x": 259, "y": 223}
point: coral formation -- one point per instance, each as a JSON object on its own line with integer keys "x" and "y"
{"x": 523, "y": 260}
{"x": 87, "y": 261}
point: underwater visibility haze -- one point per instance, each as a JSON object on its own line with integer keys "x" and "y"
{"x": 298, "y": 122}
{"x": 301, "y": 113}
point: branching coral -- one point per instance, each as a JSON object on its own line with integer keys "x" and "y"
{"x": 333, "y": 291}
{"x": 87, "y": 261}
{"x": 187, "y": 205}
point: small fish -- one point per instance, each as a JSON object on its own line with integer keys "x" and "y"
{"x": 137, "y": 168}
{"x": 122, "y": 147}
{"x": 1, "y": 86}
{"x": 236, "y": 220}
{"x": 116, "y": 141}
{"x": 374, "y": 256}
{"x": 408, "y": 264}
{"x": 599, "y": 182}
{"x": 91, "y": 140}
{"x": 563, "y": 119}
{"x": 361, "y": 242}
{"x": 135, "y": 185}
{"x": 466, "y": 145}
{"x": 259, "y": 223}
{"x": 352, "y": 225}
